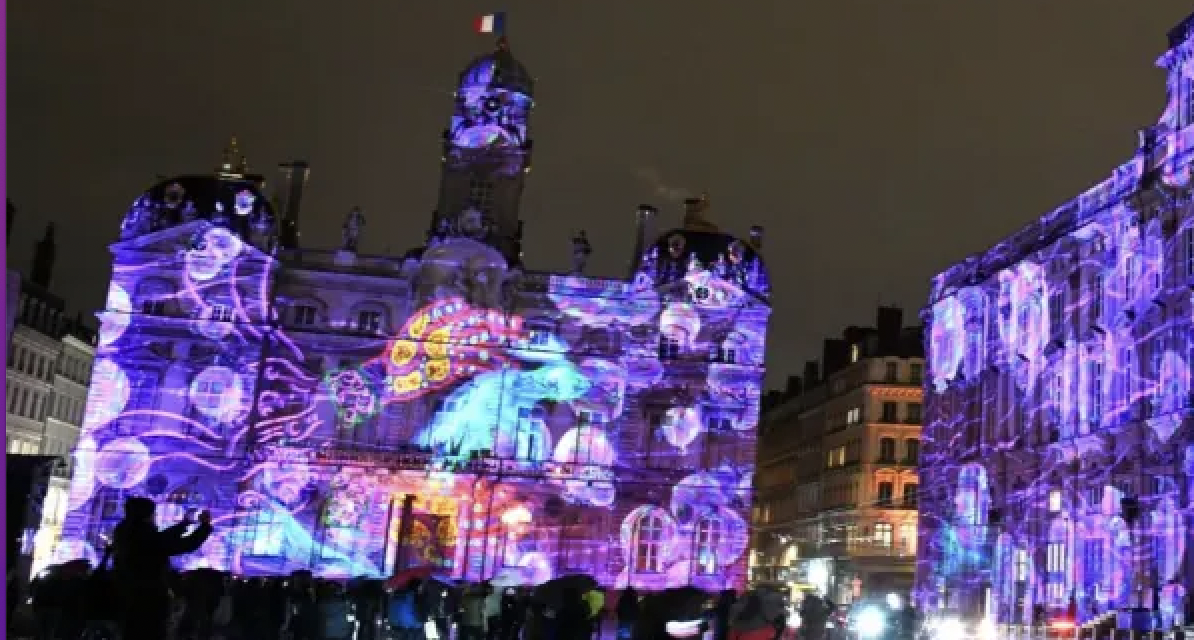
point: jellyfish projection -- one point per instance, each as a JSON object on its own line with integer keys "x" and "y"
{"x": 111, "y": 391}
{"x": 1068, "y": 439}
{"x": 117, "y": 315}
{"x": 948, "y": 340}
{"x": 506, "y": 428}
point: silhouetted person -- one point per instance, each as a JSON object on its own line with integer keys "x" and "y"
{"x": 627, "y": 613}
{"x": 141, "y": 566}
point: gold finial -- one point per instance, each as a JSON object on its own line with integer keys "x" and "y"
{"x": 231, "y": 152}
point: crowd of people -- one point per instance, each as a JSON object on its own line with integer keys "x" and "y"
{"x": 133, "y": 594}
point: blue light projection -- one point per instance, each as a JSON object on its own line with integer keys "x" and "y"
{"x": 1058, "y": 469}
{"x": 585, "y": 425}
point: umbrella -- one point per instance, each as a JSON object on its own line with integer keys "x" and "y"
{"x": 550, "y": 592}
{"x": 682, "y": 603}
{"x": 403, "y": 577}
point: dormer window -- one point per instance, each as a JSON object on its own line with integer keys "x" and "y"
{"x": 154, "y": 307}
{"x": 221, "y": 313}
{"x": 304, "y": 315}
{"x": 369, "y": 321}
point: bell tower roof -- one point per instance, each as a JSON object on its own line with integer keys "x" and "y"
{"x": 497, "y": 70}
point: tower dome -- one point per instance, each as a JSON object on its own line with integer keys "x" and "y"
{"x": 230, "y": 197}
{"x": 700, "y": 245}
{"x": 499, "y": 71}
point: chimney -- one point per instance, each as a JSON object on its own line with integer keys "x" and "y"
{"x": 288, "y": 199}
{"x": 794, "y": 386}
{"x": 43, "y": 259}
{"x": 811, "y": 374}
{"x": 835, "y": 356}
{"x": 756, "y": 237}
{"x": 890, "y": 323}
{"x": 643, "y": 218}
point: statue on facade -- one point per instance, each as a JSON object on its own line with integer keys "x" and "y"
{"x": 354, "y": 223}
{"x": 581, "y": 250}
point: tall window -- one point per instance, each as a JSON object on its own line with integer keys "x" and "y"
{"x": 480, "y": 194}
{"x": 890, "y": 411}
{"x": 916, "y": 373}
{"x": 1056, "y": 313}
{"x": 912, "y": 451}
{"x": 1127, "y": 379}
{"x": 1131, "y": 271}
{"x": 885, "y": 493}
{"x": 708, "y": 537}
{"x": 1092, "y": 561}
{"x": 883, "y": 535}
{"x": 887, "y": 448}
{"x": 911, "y": 491}
{"x": 1096, "y": 299}
{"x": 914, "y": 413}
{"x": 892, "y": 372}
{"x": 1096, "y": 392}
{"x": 1056, "y": 566}
{"x": 649, "y": 544}
{"x": 1188, "y": 252}
{"x": 1021, "y": 565}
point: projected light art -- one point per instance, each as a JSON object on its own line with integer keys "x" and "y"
{"x": 581, "y": 425}
{"x": 1056, "y": 474}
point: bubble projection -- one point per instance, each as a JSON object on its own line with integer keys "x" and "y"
{"x": 1056, "y": 472}
{"x": 605, "y": 427}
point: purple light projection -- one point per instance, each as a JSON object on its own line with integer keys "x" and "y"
{"x": 601, "y": 426}
{"x": 1058, "y": 447}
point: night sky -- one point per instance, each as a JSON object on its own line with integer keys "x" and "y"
{"x": 877, "y": 141}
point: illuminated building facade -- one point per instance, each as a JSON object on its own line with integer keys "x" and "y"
{"x": 48, "y": 364}
{"x": 837, "y": 468}
{"x": 351, "y": 414}
{"x": 1059, "y": 453}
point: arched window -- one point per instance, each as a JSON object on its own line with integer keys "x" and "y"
{"x": 709, "y": 534}
{"x": 648, "y": 544}
{"x": 306, "y": 312}
{"x": 369, "y": 317}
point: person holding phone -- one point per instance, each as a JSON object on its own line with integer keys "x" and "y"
{"x": 141, "y": 566}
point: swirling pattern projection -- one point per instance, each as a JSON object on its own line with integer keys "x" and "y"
{"x": 479, "y": 440}
{"x": 1058, "y": 443}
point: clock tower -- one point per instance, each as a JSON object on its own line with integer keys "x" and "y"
{"x": 487, "y": 153}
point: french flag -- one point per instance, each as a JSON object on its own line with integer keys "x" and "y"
{"x": 492, "y": 23}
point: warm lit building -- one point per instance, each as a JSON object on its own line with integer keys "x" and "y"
{"x": 351, "y": 414}
{"x": 837, "y": 481}
{"x": 1058, "y": 450}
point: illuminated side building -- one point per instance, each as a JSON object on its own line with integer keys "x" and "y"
{"x": 49, "y": 361}
{"x": 351, "y": 414}
{"x": 1058, "y": 445}
{"x": 837, "y": 468}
